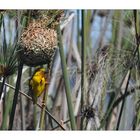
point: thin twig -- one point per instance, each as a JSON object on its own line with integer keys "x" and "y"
{"x": 59, "y": 126}
{"x": 64, "y": 122}
{"x": 37, "y": 104}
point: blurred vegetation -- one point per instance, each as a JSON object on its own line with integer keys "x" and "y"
{"x": 94, "y": 76}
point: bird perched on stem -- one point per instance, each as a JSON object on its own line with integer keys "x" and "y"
{"x": 37, "y": 83}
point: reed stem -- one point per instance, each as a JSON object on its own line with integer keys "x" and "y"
{"x": 66, "y": 81}
{"x": 41, "y": 124}
{"x": 15, "y": 96}
{"x": 83, "y": 59}
{"x": 2, "y": 86}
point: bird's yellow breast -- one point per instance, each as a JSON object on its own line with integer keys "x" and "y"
{"x": 37, "y": 83}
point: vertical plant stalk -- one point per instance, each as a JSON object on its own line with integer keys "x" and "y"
{"x": 9, "y": 97}
{"x": 22, "y": 115}
{"x": 78, "y": 32}
{"x": 66, "y": 81}
{"x": 116, "y": 31}
{"x": 110, "y": 109}
{"x": 83, "y": 59}
{"x": 4, "y": 47}
{"x": 20, "y": 67}
{"x": 22, "y": 107}
{"x": 111, "y": 99}
{"x": 41, "y": 124}
{"x": 35, "y": 116}
{"x": 2, "y": 86}
{"x": 137, "y": 36}
{"x": 88, "y": 34}
{"x": 129, "y": 71}
{"x": 123, "y": 102}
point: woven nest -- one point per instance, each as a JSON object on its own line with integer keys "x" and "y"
{"x": 37, "y": 44}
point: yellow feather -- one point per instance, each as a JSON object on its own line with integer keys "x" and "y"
{"x": 37, "y": 83}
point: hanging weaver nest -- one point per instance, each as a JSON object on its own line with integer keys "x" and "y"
{"x": 38, "y": 41}
{"x": 37, "y": 45}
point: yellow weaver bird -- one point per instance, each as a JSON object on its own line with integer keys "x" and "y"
{"x": 37, "y": 83}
